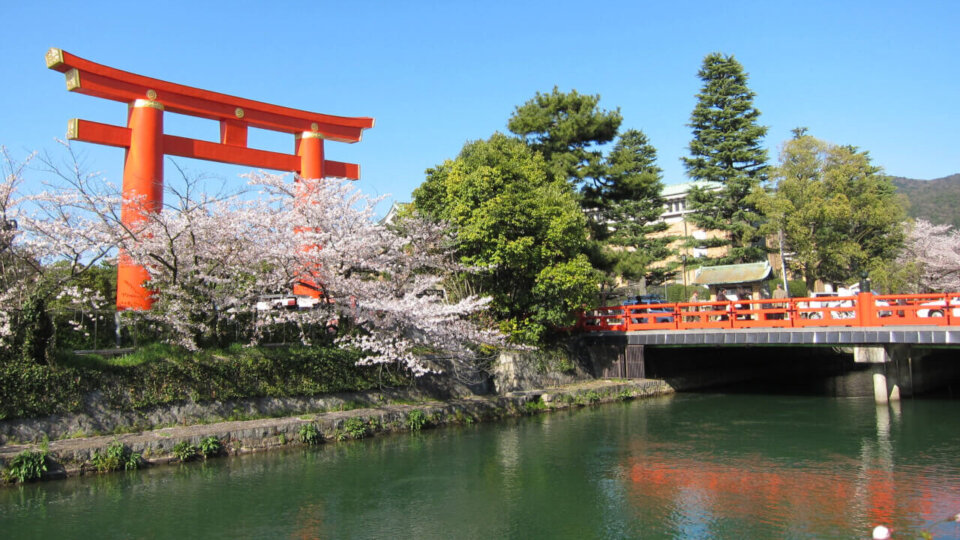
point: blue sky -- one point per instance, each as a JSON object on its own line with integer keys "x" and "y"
{"x": 884, "y": 76}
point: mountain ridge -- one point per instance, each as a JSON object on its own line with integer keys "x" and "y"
{"x": 937, "y": 200}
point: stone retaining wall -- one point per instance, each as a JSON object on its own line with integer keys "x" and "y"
{"x": 96, "y": 419}
{"x": 69, "y": 457}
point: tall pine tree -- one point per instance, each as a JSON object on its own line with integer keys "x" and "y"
{"x": 625, "y": 206}
{"x": 726, "y": 149}
{"x": 567, "y": 129}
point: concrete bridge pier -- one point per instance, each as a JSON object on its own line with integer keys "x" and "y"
{"x": 892, "y": 369}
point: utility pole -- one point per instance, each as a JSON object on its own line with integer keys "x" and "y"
{"x": 783, "y": 264}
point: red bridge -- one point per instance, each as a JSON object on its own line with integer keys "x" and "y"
{"x": 862, "y": 310}
{"x": 891, "y": 336}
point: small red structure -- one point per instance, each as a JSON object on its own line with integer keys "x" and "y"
{"x": 146, "y": 144}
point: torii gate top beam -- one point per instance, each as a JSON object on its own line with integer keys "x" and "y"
{"x": 86, "y": 77}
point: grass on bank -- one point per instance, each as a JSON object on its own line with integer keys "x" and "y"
{"x": 159, "y": 374}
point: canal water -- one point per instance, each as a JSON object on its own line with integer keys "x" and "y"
{"x": 686, "y": 466}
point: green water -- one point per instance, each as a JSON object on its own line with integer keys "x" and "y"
{"x": 689, "y": 466}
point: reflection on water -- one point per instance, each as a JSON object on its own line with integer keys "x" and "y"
{"x": 695, "y": 466}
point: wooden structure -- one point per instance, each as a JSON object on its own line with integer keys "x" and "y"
{"x": 146, "y": 143}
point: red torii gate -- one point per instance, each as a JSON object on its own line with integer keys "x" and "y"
{"x": 146, "y": 144}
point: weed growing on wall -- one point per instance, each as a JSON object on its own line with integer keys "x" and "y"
{"x": 353, "y": 428}
{"x": 184, "y": 451}
{"x": 117, "y": 457}
{"x": 210, "y": 447}
{"x": 26, "y": 466}
{"x": 309, "y": 434}
{"x": 416, "y": 420}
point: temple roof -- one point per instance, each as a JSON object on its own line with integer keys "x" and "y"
{"x": 731, "y": 274}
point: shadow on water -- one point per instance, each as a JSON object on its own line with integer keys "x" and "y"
{"x": 802, "y": 371}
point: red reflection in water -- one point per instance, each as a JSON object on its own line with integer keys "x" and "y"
{"x": 755, "y": 487}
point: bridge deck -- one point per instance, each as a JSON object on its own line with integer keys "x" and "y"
{"x": 913, "y": 335}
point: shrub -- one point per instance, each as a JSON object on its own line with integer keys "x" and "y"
{"x": 184, "y": 451}
{"x": 117, "y": 457}
{"x": 592, "y": 396}
{"x": 309, "y": 434}
{"x": 210, "y": 446}
{"x": 26, "y": 466}
{"x": 416, "y": 420}
{"x": 353, "y": 428}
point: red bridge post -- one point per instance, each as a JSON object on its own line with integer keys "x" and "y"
{"x": 865, "y": 309}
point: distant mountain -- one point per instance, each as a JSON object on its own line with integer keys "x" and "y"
{"x": 937, "y": 201}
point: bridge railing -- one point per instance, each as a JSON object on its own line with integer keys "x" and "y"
{"x": 863, "y": 310}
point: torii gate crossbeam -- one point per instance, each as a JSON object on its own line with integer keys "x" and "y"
{"x": 146, "y": 144}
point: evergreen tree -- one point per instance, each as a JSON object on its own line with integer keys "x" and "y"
{"x": 567, "y": 129}
{"x": 625, "y": 206}
{"x": 726, "y": 149}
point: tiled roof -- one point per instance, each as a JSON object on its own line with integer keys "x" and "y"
{"x": 732, "y": 273}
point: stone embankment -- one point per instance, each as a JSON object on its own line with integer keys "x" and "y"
{"x": 369, "y": 414}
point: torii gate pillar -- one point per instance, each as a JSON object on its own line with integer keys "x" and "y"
{"x": 142, "y": 194}
{"x": 309, "y": 147}
{"x": 310, "y": 150}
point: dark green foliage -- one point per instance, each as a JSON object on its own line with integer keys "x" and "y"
{"x": 796, "y": 288}
{"x": 625, "y": 206}
{"x": 210, "y": 447}
{"x": 184, "y": 451}
{"x": 534, "y": 406}
{"x": 309, "y": 434}
{"x": 676, "y": 292}
{"x": 937, "y": 201}
{"x": 26, "y": 466}
{"x": 28, "y": 389}
{"x": 117, "y": 457}
{"x": 727, "y": 149}
{"x": 353, "y": 428}
{"x": 567, "y": 129}
{"x": 37, "y": 328}
{"x": 416, "y": 420}
{"x": 158, "y": 374}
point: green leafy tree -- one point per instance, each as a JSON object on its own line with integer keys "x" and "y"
{"x": 839, "y": 214}
{"x": 625, "y": 206}
{"x": 568, "y": 130}
{"x": 726, "y": 148}
{"x": 521, "y": 226}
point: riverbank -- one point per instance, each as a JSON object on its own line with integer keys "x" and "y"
{"x": 371, "y": 414}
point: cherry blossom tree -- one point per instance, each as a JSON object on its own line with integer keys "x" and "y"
{"x": 211, "y": 257}
{"x": 933, "y": 252}
{"x": 49, "y": 238}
